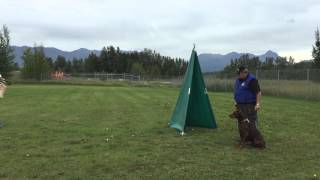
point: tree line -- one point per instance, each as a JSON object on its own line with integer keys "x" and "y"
{"x": 270, "y": 63}
{"x": 110, "y": 60}
{"x": 254, "y": 63}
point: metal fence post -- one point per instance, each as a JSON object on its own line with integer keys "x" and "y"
{"x": 278, "y": 82}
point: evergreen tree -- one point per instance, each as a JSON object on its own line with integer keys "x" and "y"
{"x": 77, "y": 66}
{"x": 92, "y": 63}
{"x": 35, "y": 64}
{"x": 316, "y": 50}
{"x": 50, "y": 63}
{"x": 28, "y": 64}
{"x": 60, "y": 63}
{"x": 137, "y": 69}
{"x": 103, "y": 58}
{"x": 281, "y": 62}
{"x": 41, "y": 64}
{"x": 68, "y": 68}
{"x": 6, "y": 53}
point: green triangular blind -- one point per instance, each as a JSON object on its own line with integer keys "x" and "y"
{"x": 193, "y": 107}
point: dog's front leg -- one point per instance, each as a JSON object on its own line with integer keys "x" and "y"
{"x": 243, "y": 135}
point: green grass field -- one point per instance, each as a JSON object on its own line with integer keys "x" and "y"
{"x": 97, "y": 132}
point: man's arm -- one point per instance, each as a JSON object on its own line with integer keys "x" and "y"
{"x": 257, "y": 107}
{"x": 255, "y": 87}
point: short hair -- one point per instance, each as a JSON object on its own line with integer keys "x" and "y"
{"x": 241, "y": 68}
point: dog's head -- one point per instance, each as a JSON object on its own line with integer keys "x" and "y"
{"x": 235, "y": 114}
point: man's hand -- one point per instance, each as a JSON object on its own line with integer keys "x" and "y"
{"x": 257, "y": 107}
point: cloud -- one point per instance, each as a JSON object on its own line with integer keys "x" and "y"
{"x": 170, "y": 27}
{"x": 290, "y": 20}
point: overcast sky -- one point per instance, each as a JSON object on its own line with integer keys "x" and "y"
{"x": 167, "y": 26}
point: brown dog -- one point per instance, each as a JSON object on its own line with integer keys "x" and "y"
{"x": 248, "y": 131}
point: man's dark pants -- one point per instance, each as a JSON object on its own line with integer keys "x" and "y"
{"x": 249, "y": 112}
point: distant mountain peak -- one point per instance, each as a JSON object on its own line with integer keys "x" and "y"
{"x": 216, "y": 62}
{"x": 53, "y": 52}
{"x": 232, "y": 53}
{"x": 81, "y": 49}
{"x": 269, "y": 52}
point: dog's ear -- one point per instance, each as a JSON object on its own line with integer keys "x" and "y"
{"x": 240, "y": 114}
{"x": 236, "y": 114}
{"x": 233, "y": 114}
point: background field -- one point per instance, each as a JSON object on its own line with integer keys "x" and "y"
{"x": 100, "y": 132}
{"x": 298, "y": 89}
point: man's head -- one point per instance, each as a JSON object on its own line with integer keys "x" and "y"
{"x": 243, "y": 72}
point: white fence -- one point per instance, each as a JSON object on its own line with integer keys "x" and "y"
{"x": 104, "y": 76}
{"x": 297, "y": 83}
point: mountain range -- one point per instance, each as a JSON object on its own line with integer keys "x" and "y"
{"x": 216, "y": 62}
{"x": 208, "y": 62}
{"x": 53, "y": 53}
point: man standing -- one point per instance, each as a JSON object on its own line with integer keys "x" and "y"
{"x": 247, "y": 94}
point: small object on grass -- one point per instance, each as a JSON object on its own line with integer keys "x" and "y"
{"x": 182, "y": 133}
{"x": 315, "y": 175}
{"x": 27, "y": 155}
